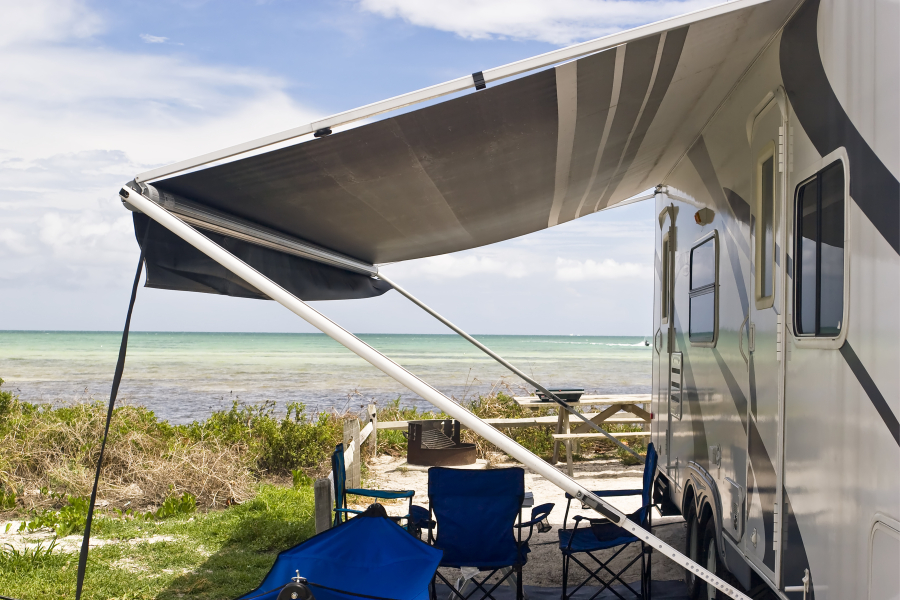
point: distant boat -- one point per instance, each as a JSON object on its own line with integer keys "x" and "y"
{"x": 646, "y": 343}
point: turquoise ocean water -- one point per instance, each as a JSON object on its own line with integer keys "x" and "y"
{"x": 184, "y": 376}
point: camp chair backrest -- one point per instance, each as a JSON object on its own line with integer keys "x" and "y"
{"x": 475, "y": 513}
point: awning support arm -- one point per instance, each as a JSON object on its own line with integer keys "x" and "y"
{"x": 414, "y": 384}
{"x": 506, "y": 364}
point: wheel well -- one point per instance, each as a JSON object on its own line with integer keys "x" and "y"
{"x": 689, "y": 498}
{"x": 704, "y": 510}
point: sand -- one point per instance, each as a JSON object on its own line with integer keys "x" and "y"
{"x": 544, "y": 567}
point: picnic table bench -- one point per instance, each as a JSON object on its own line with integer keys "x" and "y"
{"x": 565, "y": 436}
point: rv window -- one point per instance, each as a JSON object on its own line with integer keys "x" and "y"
{"x": 819, "y": 280}
{"x": 703, "y": 291}
{"x": 765, "y": 231}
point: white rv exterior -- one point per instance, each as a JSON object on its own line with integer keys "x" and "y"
{"x": 777, "y": 328}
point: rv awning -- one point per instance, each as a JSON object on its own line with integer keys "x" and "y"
{"x": 540, "y": 150}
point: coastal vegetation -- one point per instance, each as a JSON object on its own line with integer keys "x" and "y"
{"x": 196, "y": 510}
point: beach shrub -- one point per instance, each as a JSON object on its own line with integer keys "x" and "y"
{"x": 46, "y": 447}
{"x": 278, "y": 446}
{"x": 148, "y": 461}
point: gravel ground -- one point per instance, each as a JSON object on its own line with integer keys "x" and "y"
{"x": 544, "y": 566}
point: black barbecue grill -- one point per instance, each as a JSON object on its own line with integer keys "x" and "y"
{"x": 435, "y": 443}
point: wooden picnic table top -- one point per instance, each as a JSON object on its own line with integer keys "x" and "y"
{"x": 524, "y": 422}
{"x": 586, "y": 400}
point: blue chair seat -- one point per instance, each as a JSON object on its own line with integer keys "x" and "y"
{"x": 383, "y": 494}
{"x": 587, "y": 540}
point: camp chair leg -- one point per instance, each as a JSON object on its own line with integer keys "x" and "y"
{"x": 595, "y": 574}
{"x": 462, "y": 585}
{"x": 513, "y": 578}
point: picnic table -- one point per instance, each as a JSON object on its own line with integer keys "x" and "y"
{"x": 614, "y": 403}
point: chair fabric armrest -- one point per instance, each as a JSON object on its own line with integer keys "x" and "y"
{"x": 611, "y": 493}
{"x": 383, "y": 494}
{"x": 348, "y": 510}
{"x": 538, "y": 514}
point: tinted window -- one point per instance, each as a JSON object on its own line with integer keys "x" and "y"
{"x": 703, "y": 317}
{"x": 807, "y": 236}
{"x": 703, "y": 291}
{"x": 703, "y": 264}
{"x": 819, "y": 281}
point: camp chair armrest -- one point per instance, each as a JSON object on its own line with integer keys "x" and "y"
{"x": 538, "y": 514}
{"x": 348, "y": 510}
{"x": 383, "y": 494}
{"x": 611, "y": 493}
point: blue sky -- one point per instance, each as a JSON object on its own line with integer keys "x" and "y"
{"x": 96, "y": 92}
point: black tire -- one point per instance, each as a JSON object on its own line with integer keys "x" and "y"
{"x": 712, "y": 561}
{"x": 692, "y": 543}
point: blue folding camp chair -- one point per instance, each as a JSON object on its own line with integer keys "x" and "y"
{"x": 476, "y": 514}
{"x": 602, "y": 534}
{"x": 368, "y": 558}
{"x": 341, "y": 512}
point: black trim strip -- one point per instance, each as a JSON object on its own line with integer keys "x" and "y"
{"x": 765, "y": 481}
{"x": 872, "y": 186}
{"x": 640, "y": 57}
{"x": 671, "y": 55}
{"x": 868, "y": 385}
{"x": 699, "y": 157}
{"x": 737, "y": 396}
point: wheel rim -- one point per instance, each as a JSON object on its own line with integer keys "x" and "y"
{"x": 712, "y": 560}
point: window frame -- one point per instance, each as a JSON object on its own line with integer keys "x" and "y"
{"x": 712, "y": 288}
{"x": 804, "y": 176}
{"x": 768, "y": 151}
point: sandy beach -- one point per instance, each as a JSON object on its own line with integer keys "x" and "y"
{"x": 544, "y": 567}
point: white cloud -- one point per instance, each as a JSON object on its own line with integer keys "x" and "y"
{"x": 560, "y": 22}
{"x": 450, "y": 266}
{"x": 576, "y": 270}
{"x": 36, "y": 21}
{"x": 80, "y": 119}
{"x": 154, "y": 39}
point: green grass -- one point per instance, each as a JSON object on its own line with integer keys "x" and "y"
{"x": 220, "y": 554}
{"x": 186, "y": 474}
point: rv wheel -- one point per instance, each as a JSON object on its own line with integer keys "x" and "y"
{"x": 692, "y": 540}
{"x": 709, "y": 552}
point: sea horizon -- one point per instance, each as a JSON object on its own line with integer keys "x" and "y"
{"x": 185, "y": 375}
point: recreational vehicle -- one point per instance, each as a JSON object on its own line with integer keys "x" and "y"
{"x": 767, "y": 134}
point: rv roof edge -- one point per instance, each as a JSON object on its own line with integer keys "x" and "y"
{"x": 505, "y": 363}
{"x": 413, "y": 383}
{"x": 455, "y": 85}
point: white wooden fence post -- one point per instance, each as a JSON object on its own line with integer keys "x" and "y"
{"x": 322, "y": 492}
{"x": 351, "y": 434}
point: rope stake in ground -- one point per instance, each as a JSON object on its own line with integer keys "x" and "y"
{"x": 117, "y": 379}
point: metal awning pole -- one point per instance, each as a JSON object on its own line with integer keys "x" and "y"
{"x": 413, "y": 383}
{"x": 506, "y": 364}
